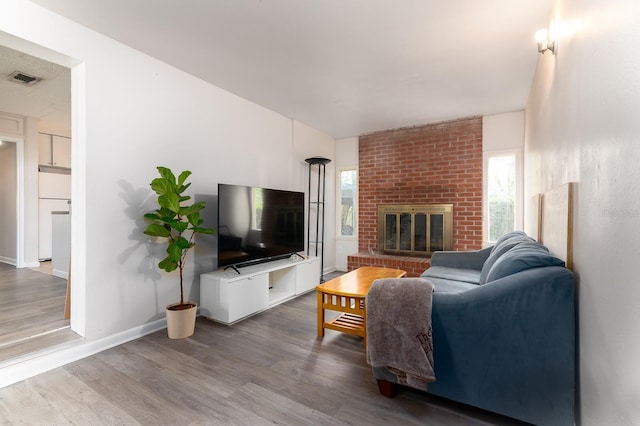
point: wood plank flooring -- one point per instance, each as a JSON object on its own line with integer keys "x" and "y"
{"x": 31, "y": 312}
{"x": 268, "y": 369}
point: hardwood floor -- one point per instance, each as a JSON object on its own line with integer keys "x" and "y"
{"x": 267, "y": 369}
{"x": 31, "y": 312}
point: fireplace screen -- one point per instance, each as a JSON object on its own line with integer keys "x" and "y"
{"x": 415, "y": 230}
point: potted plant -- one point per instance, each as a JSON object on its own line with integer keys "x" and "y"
{"x": 177, "y": 223}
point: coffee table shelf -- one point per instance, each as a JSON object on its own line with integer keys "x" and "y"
{"x": 347, "y": 323}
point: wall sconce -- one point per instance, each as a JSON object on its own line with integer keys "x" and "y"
{"x": 545, "y": 42}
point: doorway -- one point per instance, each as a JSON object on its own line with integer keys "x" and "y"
{"x": 34, "y": 318}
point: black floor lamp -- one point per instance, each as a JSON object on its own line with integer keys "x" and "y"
{"x": 321, "y": 162}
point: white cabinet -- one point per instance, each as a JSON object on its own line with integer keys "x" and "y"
{"x": 228, "y": 297}
{"x": 238, "y": 298}
{"x": 307, "y": 276}
{"x": 54, "y": 150}
{"x": 61, "y": 151}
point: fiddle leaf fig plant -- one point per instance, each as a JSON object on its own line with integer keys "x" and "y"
{"x": 174, "y": 221}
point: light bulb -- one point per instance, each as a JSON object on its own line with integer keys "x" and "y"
{"x": 541, "y": 35}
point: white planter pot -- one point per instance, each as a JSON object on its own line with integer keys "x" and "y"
{"x": 181, "y": 323}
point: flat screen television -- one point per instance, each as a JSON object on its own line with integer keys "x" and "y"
{"x": 258, "y": 224}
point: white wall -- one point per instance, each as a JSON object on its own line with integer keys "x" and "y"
{"x": 503, "y": 131}
{"x": 347, "y": 156}
{"x": 582, "y": 126}
{"x": 132, "y": 113}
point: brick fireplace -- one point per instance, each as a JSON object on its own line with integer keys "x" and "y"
{"x": 438, "y": 163}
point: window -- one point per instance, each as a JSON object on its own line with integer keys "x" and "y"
{"x": 502, "y": 194}
{"x": 348, "y": 193}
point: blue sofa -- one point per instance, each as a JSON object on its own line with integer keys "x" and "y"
{"x": 503, "y": 323}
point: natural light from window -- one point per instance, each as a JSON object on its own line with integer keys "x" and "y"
{"x": 348, "y": 202}
{"x": 501, "y": 194}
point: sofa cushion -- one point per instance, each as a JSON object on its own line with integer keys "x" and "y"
{"x": 522, "y": 256}
{"x": 443, "y": 285}
{"x": 503, "y": 245}
{"x": 456, "y": 274}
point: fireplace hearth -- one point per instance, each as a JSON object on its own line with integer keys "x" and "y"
{"x": 415, "y": 230}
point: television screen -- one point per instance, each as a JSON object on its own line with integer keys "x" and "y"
{"x": 258, "y": 224}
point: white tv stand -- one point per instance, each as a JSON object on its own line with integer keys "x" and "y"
{"x": 228, "y": 297}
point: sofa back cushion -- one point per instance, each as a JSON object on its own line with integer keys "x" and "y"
{"x": 503, "y": 245}
{"x": 522, "y": 256}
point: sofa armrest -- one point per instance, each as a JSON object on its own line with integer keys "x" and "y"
{"x": 461, "y": 259}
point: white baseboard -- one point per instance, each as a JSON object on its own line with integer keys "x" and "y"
{"x": 21, "y": 368}
{"x": 328, "y": 270}
{"x": 8, "y": 260}
{"x": 60, "y": 274}
{"x": 14, "y": 262}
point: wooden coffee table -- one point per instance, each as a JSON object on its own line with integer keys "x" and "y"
{"x": 346, "y": 294}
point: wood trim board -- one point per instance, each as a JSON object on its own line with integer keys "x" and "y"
{"x": 535, "y": 212}
{"x": 556, "y": 222}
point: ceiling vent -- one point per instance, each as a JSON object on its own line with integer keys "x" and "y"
{"x": 23, "y": 78}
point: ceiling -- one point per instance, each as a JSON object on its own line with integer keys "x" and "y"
{"x": 49, "y": 99}
{"x": 345, "y": 67}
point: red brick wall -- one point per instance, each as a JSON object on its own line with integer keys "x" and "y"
{"x": 435, "y": 163}
{"x": 413, "y": 265}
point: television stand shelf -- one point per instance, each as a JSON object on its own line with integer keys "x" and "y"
{"x": 228, "y": 297}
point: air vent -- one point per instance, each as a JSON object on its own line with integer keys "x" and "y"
{"x": 23, "y": 78}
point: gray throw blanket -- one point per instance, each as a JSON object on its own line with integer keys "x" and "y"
{"x": 399, "y": 329}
